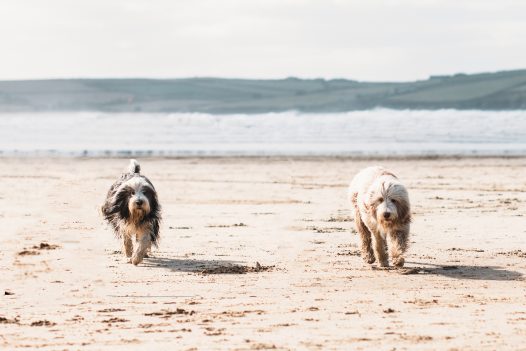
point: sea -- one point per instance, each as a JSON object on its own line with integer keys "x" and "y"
{"x": 378, "y": 132}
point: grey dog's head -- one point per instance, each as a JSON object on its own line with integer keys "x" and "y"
{"x": 138, "y": 196}
{"x": 389, "y": 202}
{"x": 134, "y": 200}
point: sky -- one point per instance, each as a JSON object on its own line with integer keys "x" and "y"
{"x": 366, "y": 40}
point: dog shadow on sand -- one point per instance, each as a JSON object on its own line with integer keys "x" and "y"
{"x": 464, "y": 271}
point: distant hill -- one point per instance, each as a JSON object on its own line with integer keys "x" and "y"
{"x": 487, "y": 91}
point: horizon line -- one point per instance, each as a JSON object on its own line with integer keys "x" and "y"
{"x": 261, "y": 79}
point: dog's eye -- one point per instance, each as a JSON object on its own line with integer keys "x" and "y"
{"x": 394, "y": 201}
{"x": 381, "y": 199}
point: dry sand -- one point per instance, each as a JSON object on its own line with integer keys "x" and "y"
{"x": 467, "y": 291}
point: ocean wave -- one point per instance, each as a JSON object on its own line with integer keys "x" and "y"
{"x": 379, "y": 132}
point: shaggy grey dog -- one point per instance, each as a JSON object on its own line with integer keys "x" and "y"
{"x": 134, "y": 212}
{"x": 381, "y": 211}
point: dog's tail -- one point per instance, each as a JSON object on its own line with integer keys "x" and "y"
{"x": 134, "y": 167}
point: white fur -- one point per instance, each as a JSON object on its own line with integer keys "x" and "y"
{"x": 382, "y": 210}
{"x": 134, "y": 167}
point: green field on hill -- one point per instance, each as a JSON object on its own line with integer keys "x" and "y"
{"x": 487, "y": 91}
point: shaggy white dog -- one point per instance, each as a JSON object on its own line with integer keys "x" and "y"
{"x": 381, "y": 211}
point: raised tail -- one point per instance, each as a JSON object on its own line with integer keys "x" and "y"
{"x": 134, "y": 167}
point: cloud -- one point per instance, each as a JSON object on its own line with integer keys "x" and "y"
{"x": 366, "y": 40}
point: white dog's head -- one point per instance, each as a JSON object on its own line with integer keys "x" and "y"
{"x": 389, "y": 202}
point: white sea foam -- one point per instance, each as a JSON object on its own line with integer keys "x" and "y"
{"x": 375, "y": 132}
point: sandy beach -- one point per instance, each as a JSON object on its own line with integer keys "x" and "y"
{"x": 260, "y": 253}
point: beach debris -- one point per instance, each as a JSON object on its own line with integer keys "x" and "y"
{"x": 108, "y": 310}
{"x": 32, "y": 251}
{"x": 43, "y": 323}
{"x": 115, "y": 320}
{"x": 349, "y": 253}
{"x": 462, "y": 249}
{"x": 4, "y": 320}
{"x": 241, "y": 224}
{"x": 340, "y": 219}
{"x": 168, "y": 313}
{"x": 325, "y": 230}
{"x": 28, "y": 253}
{"x": 236, "y": 269}
{"x": 45, "y": 246}
{"x": 352, "y": 312}
{"x": 210, "y": 331}
{"x": 518, "y": 253}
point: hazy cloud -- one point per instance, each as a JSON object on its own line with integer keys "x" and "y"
{"x": 366, "y": 40}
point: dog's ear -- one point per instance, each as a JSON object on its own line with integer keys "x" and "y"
{"x": 154, "y": 234}
{"x": 155, "y": 208}
{"x": 354, "y": 199}
{"x": 154, "y": 217}
{"x": 404, "y": 212}
{"x": 122, "y": 200}
{"x": 369, "y": 203}
{"x": 118, "y": 204}
{"x": 155, "y": 220}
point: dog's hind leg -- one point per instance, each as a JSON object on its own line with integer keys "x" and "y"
{"x": 398, "y": 245}
{"x": 143, "y": 243}
{"x": 380, "y": 249}
{"x": 127, "y": 245}
{"x": 365, "y": 238}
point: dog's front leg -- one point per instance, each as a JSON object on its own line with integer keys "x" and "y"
{"x": 127, "y": 245}
{"x": 143, "y": 243}
{"x": 398, "y": 245}
{"x": 365, "y": 238}
{"x": 380, "y": 249}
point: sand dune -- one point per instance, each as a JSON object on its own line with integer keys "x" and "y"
{"x": 258, "y": 253}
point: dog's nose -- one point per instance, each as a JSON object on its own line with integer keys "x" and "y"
{"x": 387, "y": 215}
{"x": 138, "y": 202}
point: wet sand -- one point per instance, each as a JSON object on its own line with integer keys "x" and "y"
{"x": 259, "y": 253}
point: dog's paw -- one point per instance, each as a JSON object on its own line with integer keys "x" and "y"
{"x": 399, "y": 262}
{"x": 136, "y": 260}
{"x": 127, "y": 251}
{"x": 368, "y": 258}
{"x": 383, "y": 264}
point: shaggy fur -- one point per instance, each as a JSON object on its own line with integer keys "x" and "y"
{"x": 381, "y": 212}
{"x": 132, "y": 209}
